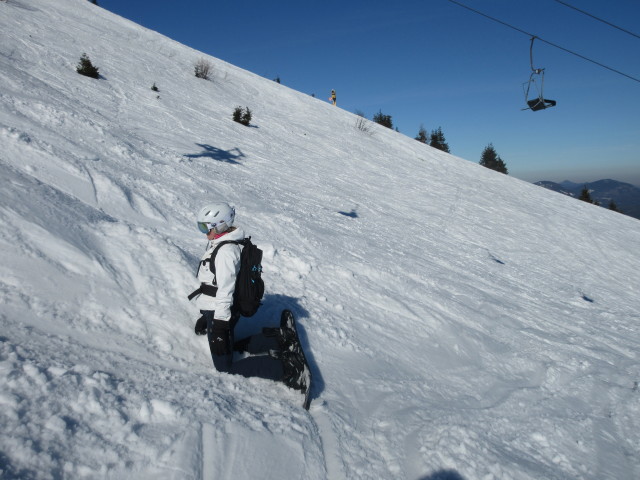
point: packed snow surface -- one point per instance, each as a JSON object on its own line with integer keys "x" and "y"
{"x": 460, "y": 324}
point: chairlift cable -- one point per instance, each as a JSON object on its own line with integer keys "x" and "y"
{"x": 545, "y": 41}
{"x": 599, "y": 19}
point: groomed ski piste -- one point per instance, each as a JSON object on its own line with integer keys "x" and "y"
{"x": 459, "y": 323}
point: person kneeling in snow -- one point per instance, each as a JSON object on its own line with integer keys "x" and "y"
{"x": 269, "y": 359}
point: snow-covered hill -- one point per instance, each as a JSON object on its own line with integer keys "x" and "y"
{"x": 461, "y": 324}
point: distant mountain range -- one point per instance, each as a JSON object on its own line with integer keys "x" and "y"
{"x": 624, "y": 195}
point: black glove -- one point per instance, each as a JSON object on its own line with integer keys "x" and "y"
{"x": 201, "y": 326}
{"x": 220, "y": 338}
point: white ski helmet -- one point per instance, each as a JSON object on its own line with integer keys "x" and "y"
{"x": 216, "y": 216}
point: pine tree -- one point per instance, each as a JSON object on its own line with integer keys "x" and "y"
{"x": 422, "y": 135}
{"x": 246, "y": 117}
{"x": 438, "y": 141}
{"x": 86, "y": 68}
{"x": 613, "y": 206}
{"x": 383, "y": 119}
{"x": 242, "y": 116}
{"x": 585, "y": 196}
{"x": 492, "y": 160}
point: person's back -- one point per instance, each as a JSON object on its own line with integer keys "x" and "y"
{"x": 227, "y": 265}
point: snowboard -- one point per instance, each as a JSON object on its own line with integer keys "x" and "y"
{"x": 293, "y": 346}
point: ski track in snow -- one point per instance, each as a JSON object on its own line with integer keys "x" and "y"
{"x": 460, "y": 324}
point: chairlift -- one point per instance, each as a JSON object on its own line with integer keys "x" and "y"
{"x": 538, "y": 102}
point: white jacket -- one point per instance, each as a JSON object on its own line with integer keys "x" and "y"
{"x": 227, "y": 267}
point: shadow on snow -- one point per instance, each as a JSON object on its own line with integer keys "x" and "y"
{"x": 209, "y": 151}
{"x": 443, "y": 475}
{"x": 269, "y": 316}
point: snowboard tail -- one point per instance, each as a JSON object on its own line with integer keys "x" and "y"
{"x": 297, "y": 371}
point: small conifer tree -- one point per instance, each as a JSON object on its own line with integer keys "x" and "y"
{"x": 438, "y": 141}
{"x": 383, "y": 119}
{"x": 613, "y": 206}
{"x": 86, "y": 68}
{"x": 242, "y": 115}
{"x": 492, "y": 160}
{"x": 585, "y": 195}
{"x": 422, "y": 135}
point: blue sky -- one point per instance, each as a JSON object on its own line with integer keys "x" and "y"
{"x": 436, "y": 64}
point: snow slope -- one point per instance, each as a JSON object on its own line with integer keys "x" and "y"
{"x": 461, "y": 324}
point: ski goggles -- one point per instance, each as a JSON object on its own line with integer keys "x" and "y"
{"x": 206, "y": 227}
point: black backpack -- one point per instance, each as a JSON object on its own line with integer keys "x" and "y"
{"x": 249, "y": 283}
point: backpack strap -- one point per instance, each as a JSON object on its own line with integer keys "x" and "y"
{"x": 212, "y": 259}
{"x": 203, "y": 289}
{"x": 211, "y": 290}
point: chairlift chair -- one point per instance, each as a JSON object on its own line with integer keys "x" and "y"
{"x": 536, "y": 102}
